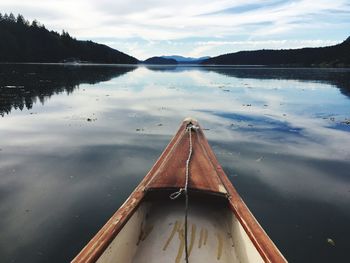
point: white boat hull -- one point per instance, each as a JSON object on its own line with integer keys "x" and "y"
{"x": 155, "y": 233}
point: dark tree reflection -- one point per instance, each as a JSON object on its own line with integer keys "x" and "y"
{"x": 22, "y": 85}
{"x": 337, "y": 77}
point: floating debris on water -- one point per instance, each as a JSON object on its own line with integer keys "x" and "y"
{"x": 13, "y": 87}
{"x": 331, "y": 242}
{"x": 139, "y": 129}
{"x": 90, "y": 119}
{"x": 160, "y": 124}
{"x": 259, "y": 159}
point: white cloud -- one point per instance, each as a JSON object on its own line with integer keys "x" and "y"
{"x": 156, "y": 20}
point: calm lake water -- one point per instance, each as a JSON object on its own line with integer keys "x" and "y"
{"x": 75, "y": 141}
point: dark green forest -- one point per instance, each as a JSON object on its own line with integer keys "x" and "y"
{"x": 24, "y": 41}
{"x": 332, "y": 56}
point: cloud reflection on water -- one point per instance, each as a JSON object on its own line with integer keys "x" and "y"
{"x": 62, "y": 176}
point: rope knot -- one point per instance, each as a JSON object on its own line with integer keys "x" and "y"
{"x": 176, "y": 194}
{"x": 191, "y": 126}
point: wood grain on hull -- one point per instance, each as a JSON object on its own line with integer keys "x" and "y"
{"x": 206, "y": 175}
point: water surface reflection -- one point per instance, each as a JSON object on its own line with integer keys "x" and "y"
{"x": 21, "y": 85}
{"x": 67, "y": 165}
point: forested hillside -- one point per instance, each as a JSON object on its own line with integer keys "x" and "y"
{"x": 332, "y": 56}
{"x": 24, "y": 41}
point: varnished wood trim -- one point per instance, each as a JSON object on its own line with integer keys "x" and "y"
{"x": 99, "y": 243}
{"x": 95, "y": 248}
{"x": 266, "y": 248}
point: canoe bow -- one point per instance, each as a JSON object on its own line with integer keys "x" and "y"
{"x": 168, "y": 173}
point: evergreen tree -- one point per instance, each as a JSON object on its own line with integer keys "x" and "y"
{"x": 12, "y": 18}
{"x": 35, "y": 23}
{"x": 20, "y": 20}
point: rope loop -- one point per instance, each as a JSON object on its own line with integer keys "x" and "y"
{"x": 176, "y": 194}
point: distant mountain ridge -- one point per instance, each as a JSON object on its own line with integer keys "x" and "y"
{"x": 181, "y": 59}
{"x": 160, "y": 61}
{"x": 331, "y": 56}
{"x": 22, "y": 41}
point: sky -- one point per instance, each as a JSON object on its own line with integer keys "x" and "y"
{"x": 195, "y": 28}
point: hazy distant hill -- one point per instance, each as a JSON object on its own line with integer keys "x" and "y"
{"x": 21, "y": 41}
{"x": 332, "y": 56}
{"x": 186, "y": 60}
{"x": 160, "y": 61}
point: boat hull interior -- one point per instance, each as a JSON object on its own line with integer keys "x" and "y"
{"x": 155, "y": 232}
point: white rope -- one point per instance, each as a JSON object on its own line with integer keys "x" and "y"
{"x": 185, "y": 188}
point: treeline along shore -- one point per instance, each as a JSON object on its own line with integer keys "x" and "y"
{"x": 24, "y": 41}
{"x": 331, "y": 56}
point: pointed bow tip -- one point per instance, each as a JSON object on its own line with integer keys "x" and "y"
{"x": 190, "y": 119}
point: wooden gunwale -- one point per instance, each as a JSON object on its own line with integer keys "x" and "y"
{"x": 99, "y": 243}
{"x": 266, "y": 248}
